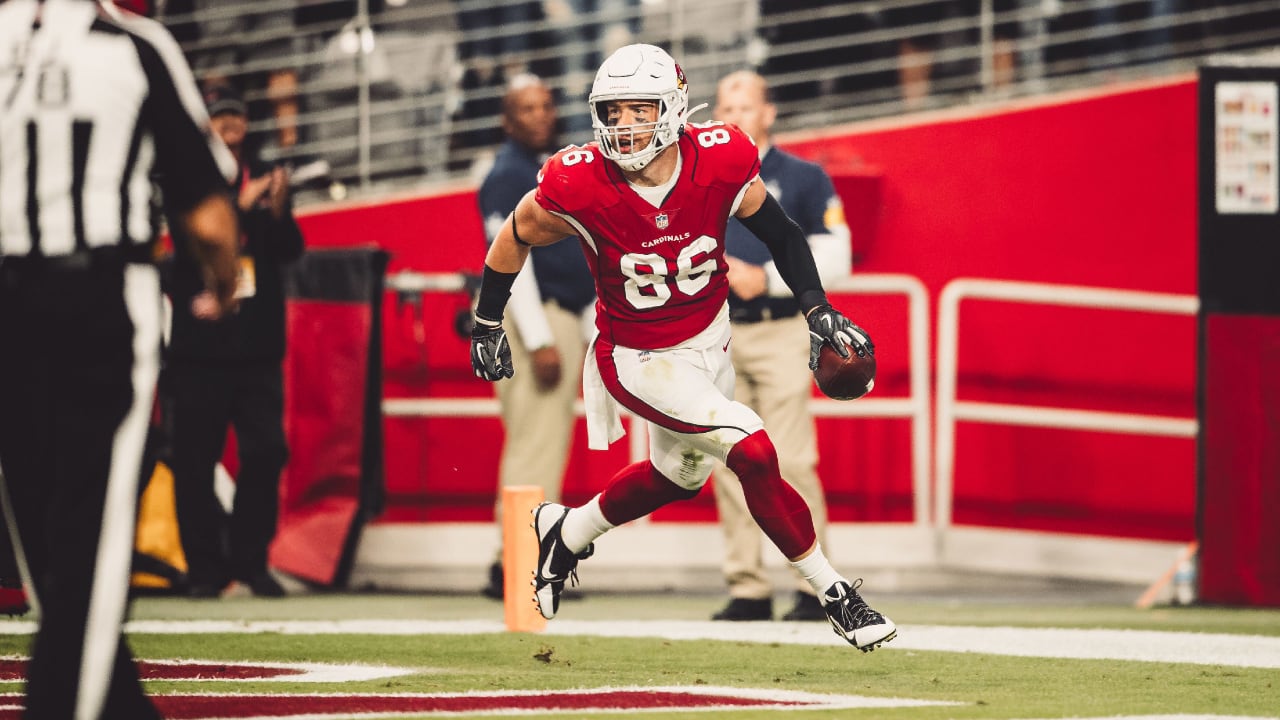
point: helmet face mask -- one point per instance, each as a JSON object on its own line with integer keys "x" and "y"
{"x": 639, "y": 72}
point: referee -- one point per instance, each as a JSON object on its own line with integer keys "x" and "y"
{"x": 94, "y": 103}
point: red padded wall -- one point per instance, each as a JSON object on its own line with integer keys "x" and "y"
{"x": 1088, "y": 189}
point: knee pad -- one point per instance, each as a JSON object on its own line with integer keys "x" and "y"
{"x": 689, "y": 469}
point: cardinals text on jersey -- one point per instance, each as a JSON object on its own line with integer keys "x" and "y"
{"x": 659, "y": 271}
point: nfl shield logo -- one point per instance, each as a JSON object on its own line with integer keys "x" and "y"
{"x": 661, "y": 221}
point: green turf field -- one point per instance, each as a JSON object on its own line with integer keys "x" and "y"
{"x": 468, "y": 652}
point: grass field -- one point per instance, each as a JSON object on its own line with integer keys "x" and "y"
{"x": 451, "y": 644}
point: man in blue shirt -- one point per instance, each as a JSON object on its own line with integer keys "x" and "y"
{"x": 552, "y": 308}
{"x": 771, "y": 364}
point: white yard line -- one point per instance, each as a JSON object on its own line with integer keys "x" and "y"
{"x": 1254, "y": 651}
{"x": 306, "y": 672}
{"x": 1171, "y": 718}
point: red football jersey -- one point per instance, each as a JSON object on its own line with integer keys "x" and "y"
{"x": 659, "y": 271}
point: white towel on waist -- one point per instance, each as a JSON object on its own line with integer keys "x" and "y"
{"x": 604, "y": 422}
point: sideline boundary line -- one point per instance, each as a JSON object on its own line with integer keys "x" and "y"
{"x": 1251, "y": 651}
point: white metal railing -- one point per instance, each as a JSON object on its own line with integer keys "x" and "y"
{"x": 914, "y": 407}
{"x": 401, "y": 92}
{"x": 950, "y": 409}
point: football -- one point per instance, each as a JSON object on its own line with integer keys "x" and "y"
{"x": 844, "y": 378}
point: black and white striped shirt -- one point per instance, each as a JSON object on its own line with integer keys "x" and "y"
{"x": 94, "y": 103}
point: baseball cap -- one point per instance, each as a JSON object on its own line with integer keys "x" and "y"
{"x": 224, "y": 99}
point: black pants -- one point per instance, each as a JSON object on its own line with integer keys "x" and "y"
{"x": 79, "y": 355}
{"x": 202, "y": 400}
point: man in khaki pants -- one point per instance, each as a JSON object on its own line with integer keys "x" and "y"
{"x": 770, "y": 361}
{"x": 552, "y": 308}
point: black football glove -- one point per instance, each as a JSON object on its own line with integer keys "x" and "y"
{"x": 490, "y": 352}
{"x": 827, "y": 325}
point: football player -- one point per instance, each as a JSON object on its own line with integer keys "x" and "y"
{"x": 649, "y": 201}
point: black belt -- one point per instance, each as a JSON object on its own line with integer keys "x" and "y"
{"x": 760, "y": 311}
{"x": 563, "y": 305}
{"x": 79, "y": 260}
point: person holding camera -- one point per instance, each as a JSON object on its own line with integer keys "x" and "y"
{"x": 228, "y": 372}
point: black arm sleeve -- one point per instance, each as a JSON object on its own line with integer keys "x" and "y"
{"x": 495, "y": 290}
{"x": 790, "y": 250}
{"x": 186, "y": 167}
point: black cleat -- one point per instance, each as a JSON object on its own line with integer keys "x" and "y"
{"x": 557, "y": 564}
{"x": 854, "y": 620}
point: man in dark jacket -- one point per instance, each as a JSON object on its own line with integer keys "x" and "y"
{"x": 228, "y": 372}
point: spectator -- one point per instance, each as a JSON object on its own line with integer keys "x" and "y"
{"x": 818, "y": 48}
{"x": 326, "y": 16}
{"x": 1005, "y": 30}
{"x": 1165, "y": 31}
{"x": 80, "y": 318}
{"x": 229, "y": 372}
{"x": 499, "y": 37}
{"x": 919, "y": 41}
{"x": 1071, "y": 37}
{"x": 227, "y": 46}
{"x": 554, "y": 298}
{"x": 498, "y": 40}
{"x": 1133, "y": 33}
{"x": 1090, "y": 36}
{"x": 1235, "y": 24}
{"x": 772, "y": 377}
{"x": 1004, "y": 51}
{"x": 589, "y": 30}
{"x": 405, "y": 60}
{"x": 789, "y": 65}
{"x": 723, "y": 35}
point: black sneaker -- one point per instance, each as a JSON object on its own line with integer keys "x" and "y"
{"x": 556, "y": 563}
{"x": 497, "y": 583}
{"x": 206, "y": 590}
{"x": 807, "y": 607}
{"x": 854, "y": 620}
{"x": 264, "y": 585}
{"x": 746, "y": 610}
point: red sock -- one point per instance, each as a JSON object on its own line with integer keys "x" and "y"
{"x": 776, "y": 506}
{"x": 637, "y": 490}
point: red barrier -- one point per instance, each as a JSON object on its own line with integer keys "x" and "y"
{"x": 1239, "y": 562}
{"x": 1089, "y": 189}
{"x": 333, "y": 482}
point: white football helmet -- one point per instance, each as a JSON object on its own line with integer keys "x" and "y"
{"x": 639, "y": 72}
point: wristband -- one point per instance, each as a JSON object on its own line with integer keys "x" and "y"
{"x": 495, "y": 290}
